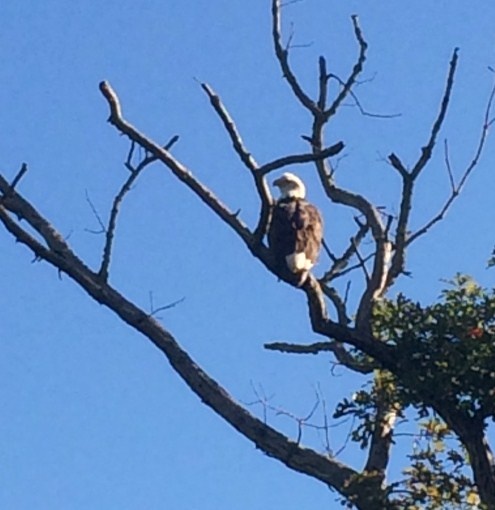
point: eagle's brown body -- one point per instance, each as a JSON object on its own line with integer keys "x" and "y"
{"x": 295, "y": 237}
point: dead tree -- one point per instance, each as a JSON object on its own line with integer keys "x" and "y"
{"x": 327, "y": 309}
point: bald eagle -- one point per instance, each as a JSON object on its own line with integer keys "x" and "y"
{"x": 296, "y": 230}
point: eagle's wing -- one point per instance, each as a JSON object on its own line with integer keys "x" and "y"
{"x": 282, "y": 232}
{"x": 308, "y": 225}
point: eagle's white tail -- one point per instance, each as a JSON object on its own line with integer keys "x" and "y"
{"x": 298, "y": 262}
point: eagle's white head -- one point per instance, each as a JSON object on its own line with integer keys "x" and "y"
{"x": 290, "y": 186}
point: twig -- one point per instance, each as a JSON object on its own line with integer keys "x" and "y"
{"x": 347, "y": 291}
{"x": 112, "y": 223}
{"x": 231, "y": 128}
{"x": 95, "y": 214}
{"x": 390, "y": 220}
{"x": 357, "y": 69}
{"x": 326, "y": 427}
{"x": 126, "y": 187}
{"x": 396, "y": 163}
{"x": 341, "y": 263}
{"x": 130, "y": 154}
{"x": 357, "y": 103}
{"x": 456, "y": 190}
{"x": 289, "y": 2}
{"x": 154, "y": 311}
{"x": 301, "y": 421}
{"x": 263, "y": 400}
{"x": 352, "y": 268}
{"x": 447, "y": 165}
{"x": 362, "y": 262}
{"x": 19, "y": 176}
{"x": 347, "y": 438}
{"x": 282, "y": 57}
{"x": 290, "y": 348}
{"x": 328, "y": 251}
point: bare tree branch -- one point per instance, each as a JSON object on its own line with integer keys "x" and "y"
{"x": 456, "y": 189}
{"x": 349, "y": 269}
{"x": 126, "y": 187}
{"x": 338, "y": 303}
{"x": 19, "y": 176}
{"x": 283, "y": 59}
{"x": 231, "y": 128}
{"x": 427, "y": 150}
{"x": 272, "y": 442}
{"x": 179, "y": 170}
{"x": 323, "y": 83}
{"x": 301, "y": 158}
{"x": 384, "y": 354}
{"x": 338, "y": 195}
{"x": 248, "y": 160}
{"x": 448, "y": 166}
{"x": 96, "y": 215}
{"x": 409, "y": 178}
{"x": 376, "y": 285}
{"x": 357, "y": 69}
{"x": 341, "y": 262}
{"x": 49, "y": 245}
{"x": 360, "y": 107}
{"x": 362, "y": 262}
{"x": 154, "y": 311}
{"x": 343, "y": 357}
{"x": 320, "y": 321}
{"x": 398, "y": 165}
{"x": 13, "y": 202}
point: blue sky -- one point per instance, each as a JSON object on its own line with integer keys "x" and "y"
{"x": 93, "y": 416}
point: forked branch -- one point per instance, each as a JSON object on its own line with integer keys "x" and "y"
{"x": 125, "y": 188}
{"x": 457, "y": 188}
{"x": 409, "y": 178}
{"x": 356, "y": 71}
{"x": 177, "y": 168}
{"x": 377, "y": 281}
{"x": 282, "y": 55}
{"x": 248, "y": 160}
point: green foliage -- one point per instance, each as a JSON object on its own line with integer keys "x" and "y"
{"x": 364, "y": 404}
{"x": 448, "y": 345}
{"x": 436, "y": 478}
{"x": 491, "y": 260}
{"x": 446, "y": 351}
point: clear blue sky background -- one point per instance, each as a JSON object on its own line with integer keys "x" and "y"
{"x": 92, "y": 415}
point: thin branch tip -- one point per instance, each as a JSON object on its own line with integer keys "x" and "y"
{"x": 171, "y": 142}
{"x": 19, "y": 176}
{"x": 113, "y": 101}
